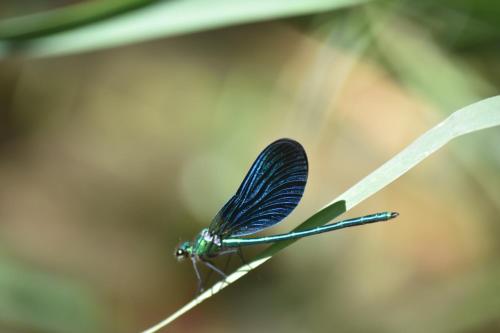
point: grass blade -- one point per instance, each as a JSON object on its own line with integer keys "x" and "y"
{"x": 475, "y": 117}
{"x": 64, "y": 18}
{"x": 168, "y": 18}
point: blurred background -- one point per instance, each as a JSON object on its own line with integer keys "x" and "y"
{"x": 119, "y": 139}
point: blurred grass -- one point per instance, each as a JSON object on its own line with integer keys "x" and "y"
{"x": 34, "y": 300}
{"x": 65, "y": 18}
{"x": 156, "y": 20}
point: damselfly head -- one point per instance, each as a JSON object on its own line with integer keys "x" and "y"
{"x": 183, "y": 251}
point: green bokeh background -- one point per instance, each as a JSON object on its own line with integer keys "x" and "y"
{"x": 110, "y": 156}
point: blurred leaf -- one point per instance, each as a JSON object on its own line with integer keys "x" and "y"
{"x": 52, "y": 21}
{"x": 162, "y": 19}
{"x": 461, "y": 23}
{"x": 35, "y": 300}
{"x": 412, "y": 54}
{"x": 475, "y": 117}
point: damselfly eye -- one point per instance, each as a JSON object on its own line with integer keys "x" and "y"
{"x": 183, "y": 251}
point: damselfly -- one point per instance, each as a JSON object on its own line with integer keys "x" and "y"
{"x": 270, "y": 191}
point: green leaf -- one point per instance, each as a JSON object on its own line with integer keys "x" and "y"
{"x": 46, "y": 23}
{"x": 164, "y": 19}
{"x": 472, "y": 25}
{"x": 475, "y": 117}
{"x": 398, "y": 41}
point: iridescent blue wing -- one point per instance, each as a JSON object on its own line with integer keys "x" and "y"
{"x": 270, "y": 191}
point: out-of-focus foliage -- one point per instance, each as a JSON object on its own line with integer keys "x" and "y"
{"x": 52, "y": 21}
{"x": 151, "y": 20}
{"x": 30, "y": 299}
{"x": 109, "y": 158}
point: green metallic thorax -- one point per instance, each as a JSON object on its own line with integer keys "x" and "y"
{"x": 205, "y": 245}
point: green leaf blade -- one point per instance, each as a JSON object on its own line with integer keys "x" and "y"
{"x": 169, "y": 18}
{"x": 477, "y": 116}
